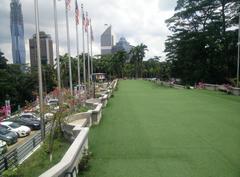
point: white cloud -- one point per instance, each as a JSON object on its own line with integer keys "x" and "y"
{"x": 140, "y": 21}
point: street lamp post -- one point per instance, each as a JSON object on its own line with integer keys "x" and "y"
{"x": 39, "y": 68}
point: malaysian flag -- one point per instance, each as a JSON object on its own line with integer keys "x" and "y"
{"x": 86, "y": 22}
{"x": 68, "y": 4}
{"x": 77, "y": 12}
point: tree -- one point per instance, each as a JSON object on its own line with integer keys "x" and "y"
{"x": 3, "y": 61}
{"x": 137, "y": 54}
{"x": 203, "y": 44}
{"x": 118, "y": 61}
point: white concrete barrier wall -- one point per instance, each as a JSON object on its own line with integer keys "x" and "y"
{"x": 69, "y": 164}
{"x": 178, "y": 86}
{"x": 211, "y": 87}
{"x": 97, "y": 114}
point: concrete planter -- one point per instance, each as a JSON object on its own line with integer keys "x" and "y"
{"x": 97, "y": 114}
{"x": 235, "y": 91}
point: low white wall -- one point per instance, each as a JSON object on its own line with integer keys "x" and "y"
{"x": 178, "y": 86}
{"x": 82, "y": 115}
{"x": 211, "y": 87}
{"x": 68, "y": 166}
{"x": 104, "y": 99}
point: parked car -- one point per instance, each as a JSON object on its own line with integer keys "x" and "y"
{"x": 21, "y": 130}
{"x": 30, "y": 115}
{"x": 8, "y": 136}
{"x": 31, "y": 123}
{"x": 33, "y": 116}
{"x": 3, "y": 147}
{"x": 52, "y": 102}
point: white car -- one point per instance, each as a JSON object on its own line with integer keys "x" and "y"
{"x": 3, "y": 147}
{"x": 52, "y": 102}
{"x": 15, "y": 127}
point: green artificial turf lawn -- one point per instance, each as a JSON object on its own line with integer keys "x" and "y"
{"x": 152, "y": 131}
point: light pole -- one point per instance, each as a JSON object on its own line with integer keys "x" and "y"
{"x": 39, "y": 68}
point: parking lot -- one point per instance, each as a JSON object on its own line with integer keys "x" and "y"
{"x": 22, "y": 140}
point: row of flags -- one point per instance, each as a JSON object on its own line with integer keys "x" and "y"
{"x": 86, "y": 28}
{"x": 86, "y": 22}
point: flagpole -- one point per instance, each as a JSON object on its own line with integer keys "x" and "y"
{"x": 77, "y": 36}
{"x": 238, "y": 51}
{"x": 69, "y": 49}
{"x": 83, "y": 40}
{"x": 87, "y": 31}
{"x": 57, "y": 44}
{"x": 39, "y": 68}
{"x": 91, "y": 50}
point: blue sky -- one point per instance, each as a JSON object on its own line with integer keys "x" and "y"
{"x": 139, "y": 21}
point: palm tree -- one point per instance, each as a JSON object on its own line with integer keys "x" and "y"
{"x": 137, "y": 54}
{"x": 119, "y": 60}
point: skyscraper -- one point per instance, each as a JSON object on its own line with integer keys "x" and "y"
{"x": 122, "y": 45}
{"x": 107, "y": 41}
{"x": 17, "y": 33}
{"x": 46, "y": 45}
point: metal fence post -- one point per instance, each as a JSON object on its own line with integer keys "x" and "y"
{"x": 5, "y": 163}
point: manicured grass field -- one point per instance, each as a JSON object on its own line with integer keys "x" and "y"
{"x": 152, "y": 131}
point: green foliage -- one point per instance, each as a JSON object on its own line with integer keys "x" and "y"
{"x": 131, "y": 65}
{"x": 203, "y": 44}
{"x": 21, "y": 85}
{"x": 83, "y": 109}
{"x": 39, "y": 161}
{"x": 3, "y": 61}
{"x": 84, "y": 163}
{"x": 137, "y": 54}
{"x": 13, "y": 172}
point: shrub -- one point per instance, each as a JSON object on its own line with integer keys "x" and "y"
{"x": 13, "y": 172}
{"x": 84, "y": 163}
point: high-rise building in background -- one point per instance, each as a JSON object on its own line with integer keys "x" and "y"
{"x": 122, "y": 45}
{"x": 17, "y": 32}
{"x": 107, "y": 41}
{"x": 46, "y": 49}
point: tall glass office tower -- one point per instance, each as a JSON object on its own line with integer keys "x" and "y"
{"x": 107, "y": 41}
{"x": 17, "y": 33}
